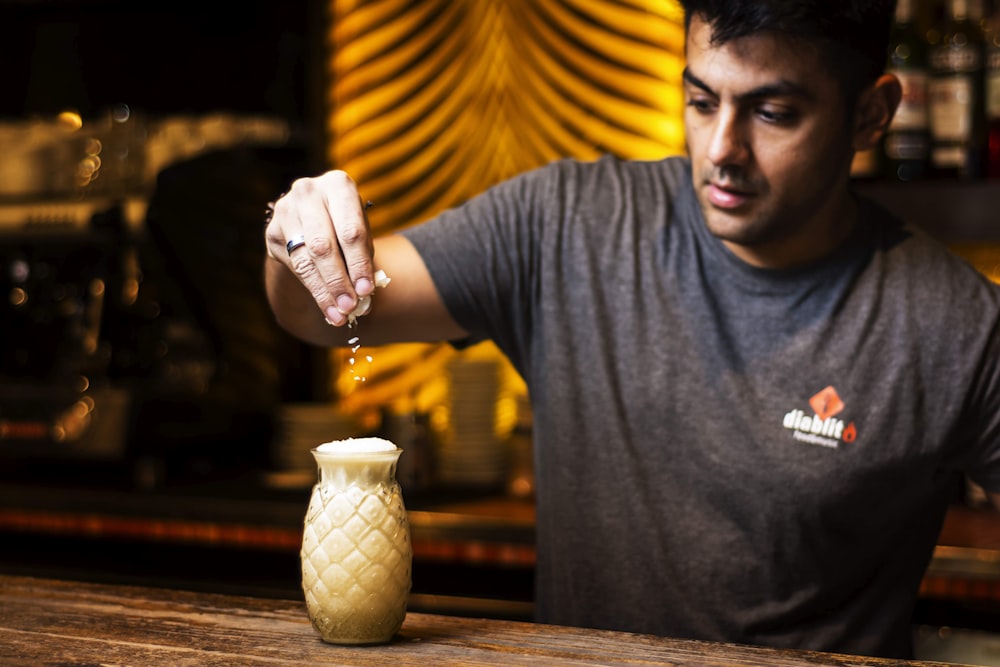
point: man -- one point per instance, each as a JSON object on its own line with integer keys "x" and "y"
{"x": 755, "y": 393}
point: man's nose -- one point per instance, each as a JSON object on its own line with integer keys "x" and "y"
{"x": 728, "y": 140}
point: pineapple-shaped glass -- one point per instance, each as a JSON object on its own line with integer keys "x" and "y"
{"x": 356, "y": 551}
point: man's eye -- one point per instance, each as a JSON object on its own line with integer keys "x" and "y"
{"x": 701, "y": 106}
{"x": 777, "y": 117}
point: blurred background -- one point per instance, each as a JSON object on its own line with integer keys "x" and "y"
{"x": 149, "y": 406}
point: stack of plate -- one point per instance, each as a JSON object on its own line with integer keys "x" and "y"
{"x": 472, "y": 455}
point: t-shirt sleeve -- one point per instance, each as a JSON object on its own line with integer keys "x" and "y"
{"x": 984, "y": 468}
{"x": 482, "y": 257}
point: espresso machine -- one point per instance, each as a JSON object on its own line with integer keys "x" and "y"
{"x": 135, "y": 332}
{"x": 63, "y": 286}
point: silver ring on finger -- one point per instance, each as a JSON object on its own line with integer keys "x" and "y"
{"x": 295, "y": 242}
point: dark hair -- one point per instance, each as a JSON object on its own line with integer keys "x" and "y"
{"x": 852, "y": 35}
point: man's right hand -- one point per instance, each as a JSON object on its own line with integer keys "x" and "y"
{"x": 331, "y": 268}
{"x": 320, "y": 232}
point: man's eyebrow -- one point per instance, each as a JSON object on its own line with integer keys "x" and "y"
{"x": 782, "y": 88}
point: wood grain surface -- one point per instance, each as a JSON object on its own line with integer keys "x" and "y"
{"x": 46, "y": 622}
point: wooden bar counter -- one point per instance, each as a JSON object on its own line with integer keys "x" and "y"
{"x": 56, "y": 622}
{"x": 472, "y": 557}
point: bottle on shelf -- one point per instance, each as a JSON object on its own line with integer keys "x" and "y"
{"x": 906, "y": 145}
{"x": 993, "y": 94}
{"x": 956, "y": 94}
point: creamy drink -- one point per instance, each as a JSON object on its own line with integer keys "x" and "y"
{"x": 356, "y": 552}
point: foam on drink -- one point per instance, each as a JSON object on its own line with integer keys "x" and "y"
{"x": 357, "y": 446}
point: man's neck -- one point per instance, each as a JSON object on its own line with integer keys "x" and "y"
{"x": 808, "y": 245}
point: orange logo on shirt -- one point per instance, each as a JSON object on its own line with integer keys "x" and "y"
{"x": 826, "y": 403}
{"x": 821, "y": 428}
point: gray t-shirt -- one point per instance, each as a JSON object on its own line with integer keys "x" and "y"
{"x": 725, "y": 452}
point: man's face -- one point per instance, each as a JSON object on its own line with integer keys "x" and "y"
{"x": 770, "y": 147}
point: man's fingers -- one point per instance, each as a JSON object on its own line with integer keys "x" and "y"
{"x": 322, "y": 227}
{"x": 305, "y": 268}
{"x": 353, "y": 232}
{"x": 318, "y": 257}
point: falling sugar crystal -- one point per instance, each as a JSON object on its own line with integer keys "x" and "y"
{"x": 364, "y": 305}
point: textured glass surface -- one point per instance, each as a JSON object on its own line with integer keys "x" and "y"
{"x": 356, "y": 553}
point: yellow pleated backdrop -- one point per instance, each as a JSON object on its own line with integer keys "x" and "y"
{"x": 432, "y": 101}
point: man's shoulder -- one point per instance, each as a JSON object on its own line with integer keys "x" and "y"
{"x": 673, "y": 168}
{"x": 926, "y": 261}
{"x": 609, "y": 180}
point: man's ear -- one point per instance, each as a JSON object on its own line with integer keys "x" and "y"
{"x": 875, "y": 109}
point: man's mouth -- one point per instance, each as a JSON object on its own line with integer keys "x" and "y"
{"x": 727, "y": 197}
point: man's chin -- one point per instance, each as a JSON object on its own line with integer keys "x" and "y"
{"x": 729, "y": 225}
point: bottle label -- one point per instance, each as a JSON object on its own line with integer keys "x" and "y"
{"x": 951, "y": 104}
{"x": 993, "y": 84}
{"x": 958, "y": 59}
{"x": 949, "y": 157}
{"x": 906, "y": 147}
{"x": 912, "y": 111}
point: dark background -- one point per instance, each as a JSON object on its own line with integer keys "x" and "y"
{"x": 166, "y": 58}
{"x": 182, "y": 56}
